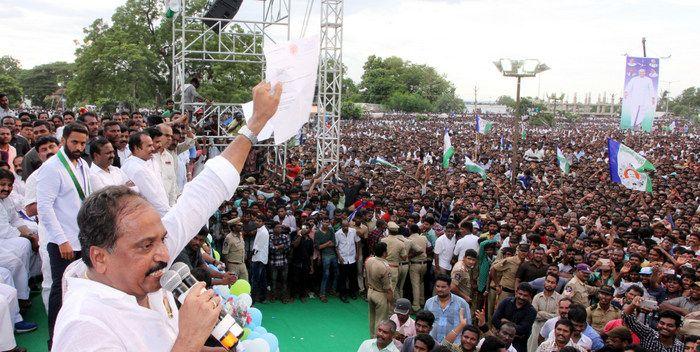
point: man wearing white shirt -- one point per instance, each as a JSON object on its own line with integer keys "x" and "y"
{"x": 444, "y": 250}
{"x": 46, "y": 147}
{"x": 164, "y": 163}
{"x": 173, "y": 147}
{"x": 468, "y": 241}
{"x": 347, "y": 246}
{"x": 102, "y": 172}
{"x": 118, "y": 305}
{"x": 63, "y": 183}
{"x": 16, "y": 240}
{"x": 261, "y": 248}
{"x": 138, "y": 167}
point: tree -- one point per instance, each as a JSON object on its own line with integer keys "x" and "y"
{"x": 43, "y": 80}
{"x": 449, "y": 103}
{"x": 409, "y": 102}
{"x": 10, "y": 66}
{"x": 506, "y": 100}
{"x": 11, "y": 87}
{"x": 394, "y": 81}
{"x": 350, "y": 111}
{"x": 687, "y": 104}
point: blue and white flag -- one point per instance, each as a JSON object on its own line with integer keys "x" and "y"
{"x": 628, "y": 167}
{"x": 483, "y": 126}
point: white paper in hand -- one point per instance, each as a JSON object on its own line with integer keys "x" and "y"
{"x": 266, "y": 132}
{"x": 295, "y": 65}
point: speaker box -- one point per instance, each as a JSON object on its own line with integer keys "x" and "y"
{"x": 223, "y": 9}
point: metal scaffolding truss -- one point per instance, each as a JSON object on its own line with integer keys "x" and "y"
{"x": 230, "y": 41}
{"x": 330, "y": 84}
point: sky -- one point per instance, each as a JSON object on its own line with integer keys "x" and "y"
{"x": 584, "y": 42}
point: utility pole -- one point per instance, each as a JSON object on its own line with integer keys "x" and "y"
{"x": 475, "y": 90}
{"x": 668, "y": 93}
{"x": 644, "y": 46}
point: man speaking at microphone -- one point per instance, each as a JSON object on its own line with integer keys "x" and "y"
{"x": 118, "y": 305}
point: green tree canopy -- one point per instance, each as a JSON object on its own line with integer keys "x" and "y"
{"x": 399, "y": 83}
{"x": 43, "y": 80}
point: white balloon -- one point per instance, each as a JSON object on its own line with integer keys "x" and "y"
{"x": 245, "y": 300}
{"x": 258, "y": 345}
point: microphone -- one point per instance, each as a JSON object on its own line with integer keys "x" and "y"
{"x": 184, "y": 271}
{"x": 172, "y": 282}
{"x": 227, "y": 330}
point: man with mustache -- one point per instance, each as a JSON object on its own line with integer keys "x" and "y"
{"x": 16, "y": 240}
{"x": 46, "y": 147}
{"x": 519, "y": 311}
{"x": 119, "y": 302}
{"x": 102, "y": 171}
{"x": 63, "y": 183}
{"x": 140, "y": 169}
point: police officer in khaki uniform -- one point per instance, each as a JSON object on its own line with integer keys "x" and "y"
{"x": 463, "y": 276}
{"x": 234, "y": 249}
{"x": 506, "y": 270}
{"x": 380, "y": 291}
{"x": 601, "y": 313}
{"x": 577, "y": 288}
{"x": 397, "y": 256}
{"x": 418, "y": 266}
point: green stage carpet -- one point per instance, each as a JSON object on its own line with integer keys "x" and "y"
{"x": 314, "y": 326}
{"x": 300, "y": 327}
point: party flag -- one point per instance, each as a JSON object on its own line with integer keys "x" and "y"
{"x": 474, "y": 167}
{"x": 379, "y": 160}
{"x": 447, "y": 150}
{"x": 483, "y": 126}
{"x": 564, "y": 163}
{"x": 628, "y": 167}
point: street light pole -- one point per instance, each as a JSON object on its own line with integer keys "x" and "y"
{"x": 514, "y": 156}
{"x": 518, "y": 69}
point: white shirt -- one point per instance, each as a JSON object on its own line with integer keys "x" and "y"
{"x": 261, "y": 245}
{"x": 100, "y": 178}
{"x": 584, "y": 342}
{"x": 289, "y": 221}
{"x": 371, "y": 346}
{"x": 345, "y": 244}
{"x": 469, "y": 241}
{"x": 182, "y": 159}
{"x": 445, "y": 247}
{"x": 124, "y": 154}
{"x": 113, "y": 320}
{"x": 166, "y": 165}
{"x": 57, "y": 199}
{"x": 9, "y": 220}
{"x": 149, "y": 183}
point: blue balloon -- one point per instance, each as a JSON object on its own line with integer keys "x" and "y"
{"x": 260, "y": 330}
{"x": 271, "y": 340}
{"x": 222, "y": 292}
{"x": 254, "y": 335}
{"x": 255, "y": 316}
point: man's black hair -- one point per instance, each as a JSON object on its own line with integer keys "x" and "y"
{"x": 135, "y": 140}
{"x": 444, "y": 278}
{"x": 669, "y": 314}
{"x": 427, "y": 316}
{"x": 7, "y": 175}
{"x": 74, "y": 127}
{"x": 96, "y": 145}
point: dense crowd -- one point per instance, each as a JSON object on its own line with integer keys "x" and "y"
{"x": 447, "y": 260}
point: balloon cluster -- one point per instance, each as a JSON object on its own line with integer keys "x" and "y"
{"x": 237, "y": 302}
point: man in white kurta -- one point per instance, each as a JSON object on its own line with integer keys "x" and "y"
{"x": 640, "y": 97}
{"x": 102, "y": 173}
{"x": 139, "y": 168}
{"x": 15, "y": 245}
{"x": 118, "y": 304}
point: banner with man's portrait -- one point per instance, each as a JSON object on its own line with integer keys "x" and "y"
{"x": 640, "y": 95}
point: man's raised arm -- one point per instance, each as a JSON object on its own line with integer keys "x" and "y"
{"x": 218, "y": 181}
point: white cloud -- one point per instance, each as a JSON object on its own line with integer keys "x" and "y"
{"x": 583, "y": 42}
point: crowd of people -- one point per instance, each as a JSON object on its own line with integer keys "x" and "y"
{"x": 531, "y": 260}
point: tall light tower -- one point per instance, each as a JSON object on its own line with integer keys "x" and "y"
{"x": 518, "y": 69}
{"x": 330, "y": 86}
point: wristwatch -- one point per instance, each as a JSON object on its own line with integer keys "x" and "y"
{"x": 247, "y": 133}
